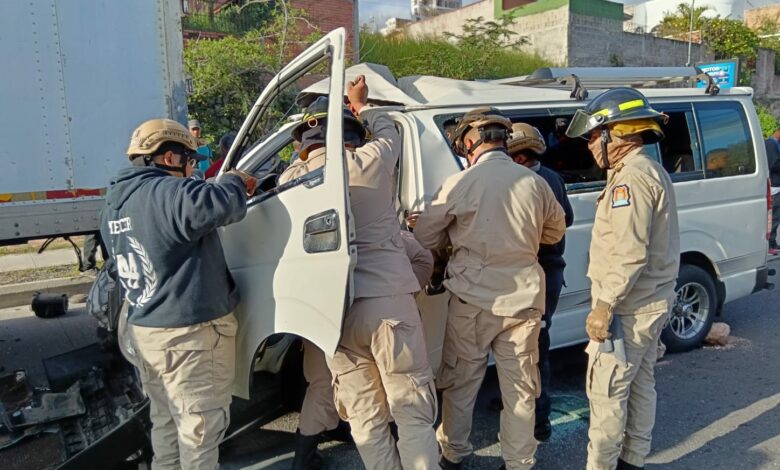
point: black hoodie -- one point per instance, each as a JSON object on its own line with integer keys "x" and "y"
{"x": 161, "y": 231}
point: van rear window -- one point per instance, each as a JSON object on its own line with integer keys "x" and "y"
{"x": 726, "y": 141}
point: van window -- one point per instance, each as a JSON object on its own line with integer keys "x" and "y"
{"x": 679, "y": 150}
{"x": 726, "y": 141}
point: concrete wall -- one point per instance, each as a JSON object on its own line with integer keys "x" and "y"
{"x": 600, "y": 42}
{"x": 756, "y": 17}
{"x": 546, "y": 31}
{"x": 766, "y": 84}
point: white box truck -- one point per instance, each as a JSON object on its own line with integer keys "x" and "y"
{"x": 78, "y": 77}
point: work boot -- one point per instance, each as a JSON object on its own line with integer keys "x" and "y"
{"x": 447, "y": 465}
{"x": 543, "y": 431}
{"x": 341, "y": 433}
{"x": 306, "y": 455}
{"x": 622, "y": 465}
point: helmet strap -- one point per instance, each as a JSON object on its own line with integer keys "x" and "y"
{"x": 605, "y": 139}
{"x": 489, "y": 135}
{"x": 182, "y": 168}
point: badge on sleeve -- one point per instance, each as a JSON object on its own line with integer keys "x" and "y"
{"x": 621, "y": 196}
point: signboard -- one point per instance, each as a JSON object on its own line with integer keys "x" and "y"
{"x": 725, "y": 73}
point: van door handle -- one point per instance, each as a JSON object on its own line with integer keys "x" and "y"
{"x": 321, "y": 232}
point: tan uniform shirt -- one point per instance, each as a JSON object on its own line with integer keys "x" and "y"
{"x": 635, "y": 245}
{"x": 421, "y": 259}
{"x": 382, "y": 266}
{"x": 495, "y": 214}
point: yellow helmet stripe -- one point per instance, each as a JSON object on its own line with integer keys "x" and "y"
{"x": 622, "y": 106}
{"x": 631, "y": 104}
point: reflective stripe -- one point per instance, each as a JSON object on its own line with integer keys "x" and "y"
{"x": 631, "y": 105}
{"x": 622, "y": 107}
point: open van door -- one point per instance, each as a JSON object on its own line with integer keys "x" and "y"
{"x": 290, "y": 256}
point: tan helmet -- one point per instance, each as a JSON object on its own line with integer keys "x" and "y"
{"x": 526, "y": 137}
{"x": 148, "y": 137}
{"x": 478, "y": 118}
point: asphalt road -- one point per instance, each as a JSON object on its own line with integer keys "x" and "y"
{"x": 718, "y": 408}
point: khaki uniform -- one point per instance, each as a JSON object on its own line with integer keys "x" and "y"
{"x": 188, "y": 376}
{"x": 380, "y": 369}
{"x": 634, "y": 260}
{"x": 318, "y": 413}
{"x": 495, "y": 214}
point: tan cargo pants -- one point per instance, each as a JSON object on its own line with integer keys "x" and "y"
{"x": 187, "y": 373}
{"x": 380, "y": 373}
{"x": 470, "y": 336}
{"x": 622, "y": 395}
{"x": 318, "y": 413}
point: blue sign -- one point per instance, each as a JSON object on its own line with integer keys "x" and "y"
{"x": 724, "y": 73}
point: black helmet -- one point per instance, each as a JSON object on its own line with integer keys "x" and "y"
{"x": 616, "y": 105}
{"x": 315, "y": 114}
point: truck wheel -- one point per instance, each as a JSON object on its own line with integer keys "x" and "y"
{"x": 693, "y": 312}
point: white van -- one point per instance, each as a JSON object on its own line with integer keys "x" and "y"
{"x": 291, "y": 255}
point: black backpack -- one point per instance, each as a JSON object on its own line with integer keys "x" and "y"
{"x": 105, "y": 297}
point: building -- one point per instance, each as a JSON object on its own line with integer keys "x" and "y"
{"x": 575, "y": 33}
{"x": 757, "y": 17}
{"x": 427, "y": 8}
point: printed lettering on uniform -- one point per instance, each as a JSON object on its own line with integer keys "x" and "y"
{"x": 621, "y": 196}
{"x": 115, "y": 227}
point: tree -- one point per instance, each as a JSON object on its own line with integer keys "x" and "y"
{"x": 489, "y": 35}
{"x": 728, "y": 39}
{"x": 228, "y": 74}
{"x": 678, "y": 22}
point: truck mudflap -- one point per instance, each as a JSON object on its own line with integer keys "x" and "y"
{"x": 762, "y": 274}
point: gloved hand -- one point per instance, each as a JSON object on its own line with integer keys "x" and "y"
{"x": 250, "y": 182}
{"x": 597, "y": 323}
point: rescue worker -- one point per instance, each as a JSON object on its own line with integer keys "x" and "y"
{"x": 525, "y": 148}
{"x": 318, "y": 414}
{"x": 380, "y": 368}
{"x": 495, "y": 214}
{"x": 634, "y": 260}
{"x": 160, "y": 228}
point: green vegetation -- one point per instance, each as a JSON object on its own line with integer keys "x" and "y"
{"x": 232, "y": 19}
{"x": 437, "y": 56}
{"x": 726, "y": 38}
{"x": 769, "y": 123}
{"x": 228, "y": 74}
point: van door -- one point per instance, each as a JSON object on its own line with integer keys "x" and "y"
{"x": 291, "y": 256}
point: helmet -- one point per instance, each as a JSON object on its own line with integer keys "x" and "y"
{"x": 148, "y": 137}
{"x": 314, "y": 114}
{"x": 619, "y": 105}
{"x": 526, "y": 136}
{"x": 480, "y": 118}
{"x": 226, "y": 141}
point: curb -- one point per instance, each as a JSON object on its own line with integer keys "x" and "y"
{"x": 15, "y": 295}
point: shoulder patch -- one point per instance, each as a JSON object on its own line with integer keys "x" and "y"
{"x": 621, "y": 196}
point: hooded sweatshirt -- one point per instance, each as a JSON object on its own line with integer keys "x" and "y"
{"x": 161, "y": 231}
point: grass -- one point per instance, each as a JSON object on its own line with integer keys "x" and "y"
{"x": 436, "y": 56}
{"x": 33, "y": 246}
{"x": 38, "y": 274}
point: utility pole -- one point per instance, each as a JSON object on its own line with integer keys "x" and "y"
{"x": 690, "y": 36}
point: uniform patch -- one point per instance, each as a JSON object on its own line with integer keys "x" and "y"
{"x": 621, "y": 196}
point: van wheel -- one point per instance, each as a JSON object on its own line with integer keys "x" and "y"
{"x": 693, "y": 311}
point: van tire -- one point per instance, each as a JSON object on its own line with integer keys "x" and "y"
{"x": 693, "y": 312}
